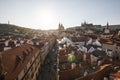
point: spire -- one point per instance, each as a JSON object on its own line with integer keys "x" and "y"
{"x": 107, "y": 28}
{"x": 82, "y": 24}
{"x": 107, "y": 25}
{"x": 85, "y": 22}
{"x": 59, "y": 25}
{"x": 8, "y": 22}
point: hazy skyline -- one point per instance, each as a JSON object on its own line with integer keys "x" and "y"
{"x": 46, "y": 14}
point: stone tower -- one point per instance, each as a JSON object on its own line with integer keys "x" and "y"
{"x": 107, "y": 31}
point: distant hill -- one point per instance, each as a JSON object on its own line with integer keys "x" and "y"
{"x": 9, "y": 28}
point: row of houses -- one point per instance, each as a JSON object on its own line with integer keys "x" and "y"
{"x": 20, "y": 59}
{"x": 93, "y": 59}
{"x": 100, "y": 28}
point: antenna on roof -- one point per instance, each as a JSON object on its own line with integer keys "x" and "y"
{"x": 8, "y": 22}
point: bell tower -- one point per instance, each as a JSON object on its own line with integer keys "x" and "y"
{"x": 107, "y": 28}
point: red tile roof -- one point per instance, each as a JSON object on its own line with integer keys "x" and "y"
{"x": 79, "y": 39}
{"x": 69, "y": 74}
{"x": 9, "y": 60}
{"x": 102, "y": 72}
{"x": 103, "y": 40}
{"x": 117, "y": 74}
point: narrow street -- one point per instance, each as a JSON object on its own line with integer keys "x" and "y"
{"x": 48, "y": 69}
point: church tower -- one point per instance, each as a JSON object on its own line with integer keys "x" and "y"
{"x": 107, "y": 25}
{"x": 107, "y": 29}
{"x": 60, "y": 27}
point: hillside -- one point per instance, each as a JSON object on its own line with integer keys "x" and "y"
{"x": 9, "y": 28}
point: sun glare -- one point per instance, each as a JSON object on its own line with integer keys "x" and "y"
{"x": 46, "y": 19}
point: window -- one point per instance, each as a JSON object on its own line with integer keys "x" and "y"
{"x": 32, "y": 75}
{"x": 30, "y": 61}
{"x": 31, "y": 68}
{"x": 26, "y": 77}
{"x": 17, "y": 78}
{"x": 25, "y": 69}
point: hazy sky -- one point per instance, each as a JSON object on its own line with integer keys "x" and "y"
{"x": 46, "y": 14}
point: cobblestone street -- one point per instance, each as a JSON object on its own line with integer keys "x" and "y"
{"x": 48, "y": 69}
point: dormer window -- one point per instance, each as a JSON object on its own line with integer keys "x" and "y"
{"x": 19, "y": 58}
{"x": 25, "y": 53}
{"x": 28, "y": 51}
{"x": 31, "y": 48}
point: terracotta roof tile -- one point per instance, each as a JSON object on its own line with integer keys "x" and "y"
{"x": 79, "y": 39}
{"x": 117, "y": 74}
{"x": 9, "y": 60}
